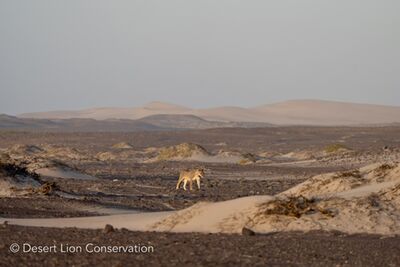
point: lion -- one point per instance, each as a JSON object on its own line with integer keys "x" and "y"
{"x": 190, "y": 175}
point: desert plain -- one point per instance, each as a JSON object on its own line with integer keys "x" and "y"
{"x": 294, "y": 195}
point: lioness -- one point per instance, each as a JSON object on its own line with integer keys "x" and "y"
{"x": 190, "y": 176}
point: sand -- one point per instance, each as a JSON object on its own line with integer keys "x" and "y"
{"x": 202, "y": 217}
{"x": 58, "y": 172}
{"x": 134, "y": 221}
{"x": 219, "y": 158}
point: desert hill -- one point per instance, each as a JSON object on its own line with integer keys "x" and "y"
{"x": 294, "y": 112}
{"x": 86, "y": 125}
{"x": 150, "y": 123}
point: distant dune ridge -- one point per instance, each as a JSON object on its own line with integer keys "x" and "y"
{"x": 294, "y": 112}
{"x": 150, "y": 123}
{"x": 86, "y": 125}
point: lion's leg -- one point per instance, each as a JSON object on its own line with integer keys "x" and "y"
{"x": 184, "y": 185}
{"x": 179, "y": 183}
{"x": 198, "y": 183}
{"x": 191, "y": 185}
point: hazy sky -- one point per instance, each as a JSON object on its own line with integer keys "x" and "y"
{"x": 76, "y": 54}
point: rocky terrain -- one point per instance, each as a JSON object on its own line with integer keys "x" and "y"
{"x": 191, "y": 249}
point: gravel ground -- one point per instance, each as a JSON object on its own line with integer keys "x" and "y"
{"x": 192, "y": 249}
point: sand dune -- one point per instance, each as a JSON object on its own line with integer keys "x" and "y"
{"x": 152, "y": 108}
{"x": 295, "y": 112}
{"x": 328, "y": 113}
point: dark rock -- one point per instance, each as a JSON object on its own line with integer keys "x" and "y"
{"x": 108, "y": 229}
{"x": 4, "y": 225}
{"x": 248, "y": 232}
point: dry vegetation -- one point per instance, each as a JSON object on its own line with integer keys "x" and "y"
{"x": 294, "y": 206}
{"x": 384, "y": 168}
{"x": 334, "y": 148}
{"x": 346, "y": 174}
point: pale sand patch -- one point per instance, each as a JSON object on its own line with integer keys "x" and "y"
{"x": 297, "y": 162}
{"x": 63, "y": 173}
{"x": 366, "y": 190}
{"x": 202, "y": 217}
{"x": 136, "y": 221}
{"x": 212, "y": 217}
{"x": 216, "y": 158}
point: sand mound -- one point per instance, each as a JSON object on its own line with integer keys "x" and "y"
{"x": 299, "y": 155}
{"x": 43, "y": 162}
{"x": 46, "y": 151}
{"x": 235, "y": 157}
{"x": 363, "y": 200}
{"x": 20, "y": 180}
{"x": 193, "y": 152}
{"x": 371, "y": 178}
{"x": 64, "y": 153}
{"x": 24, "y": 150}
{"x": 329, "y": 152}
{"x": 27, "y": 161}
{"x": 34, "y": 164}
{"x": 17, "y": 181}
{"x": 122, "y": 145}
{"x": 358, "y": 215}
{"x": 182, "y": 151}
{"x": 125, "y": 155}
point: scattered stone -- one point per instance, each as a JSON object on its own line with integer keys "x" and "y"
{"x": 108, "y": 229}
{"x": 248, "y": 232}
